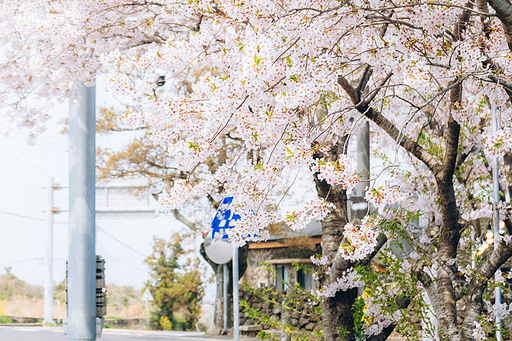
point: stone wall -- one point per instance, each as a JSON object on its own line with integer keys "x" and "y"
{"x": 127, "y": 323}
{"x": 302, "y": 315}
{"x": 21, "y": 319}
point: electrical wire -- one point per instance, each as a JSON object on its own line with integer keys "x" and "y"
{"x": 29, "y": 165}
{"x": 39, "y": 136}
{"x": 22, "y": 216}
{"x": 31, "y": 218}
{"x": 17, "y": 189}
{"x": 23, "y": 261}
{"x": 32, "y": 185}
{"x": 43, "y": 144}
{"x": 120, "y": 260}
{"x": 120, "y": 242}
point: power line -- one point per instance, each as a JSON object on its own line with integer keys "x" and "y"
{"x": 43, "y": 144}
{"x": 120, "y": 242}
{"x": 22, "y": 216}
{"x": 30, "y": 165}
{"x": 37, "y": 137}
{"x": 32, "y": 185}
{"x": 23, "y": 261}
{"x": 121, "y": 261}
{"x": 31, "y": 218}
{"x": 17, "y": 189}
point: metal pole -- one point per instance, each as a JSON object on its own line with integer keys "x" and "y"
{"x": 147, "y": 312}
{"x": 225, "y": 305}
{"x": 236, "y": 308}
{"x": 496, "y": 228}
{"x": 363, "y": 158}
{"x": 363, "y": 169}
{"x": 214, "y": 308}
{"x": 81, "y": 320}
{"x": 48, "y": 279}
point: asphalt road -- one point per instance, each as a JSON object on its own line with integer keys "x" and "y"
{"x": 55, "y": 334}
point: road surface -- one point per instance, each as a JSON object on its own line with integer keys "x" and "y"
{"x": 55, "y": 334}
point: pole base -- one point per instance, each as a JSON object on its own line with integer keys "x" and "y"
{"x": 52, "y": 322}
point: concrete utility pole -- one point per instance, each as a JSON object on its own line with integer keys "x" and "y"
{"x": 48, "y": 279}
{"x": 81, "y": 320}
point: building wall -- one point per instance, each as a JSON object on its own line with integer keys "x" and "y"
{"x": 256, "y": 275}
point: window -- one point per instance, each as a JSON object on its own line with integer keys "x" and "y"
{"x": 305, "y": 279}
{"x": 282, "y": 277}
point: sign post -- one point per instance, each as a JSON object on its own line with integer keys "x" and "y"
{"x": 225, "y": 291}
{"x": 146, "y": 296}
{"x": 236, "y": 307}
{"x": 221, "y": 251}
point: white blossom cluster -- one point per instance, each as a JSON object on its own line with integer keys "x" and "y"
{"x": 350, "y": 279}
{"x": 381, "y": 196}
{"x": 314, "y": 209}
{"x": 478, "y": 332}
{"x": 251, "y": 227}
{"x": 451, "y": 261}
{"x": 339, "y": 172}
{"x": 498, "y": 277}
{"x": 499, "y": 143}
{"x": 362, "y": 239}
{"x": 424, "y": 239}
{"x": 379, "y": 318}
{"x": 466, "y": 271}
{"x": 322, "y": 260}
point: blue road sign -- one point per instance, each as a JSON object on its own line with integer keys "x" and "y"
{"x": 224, "y": 219}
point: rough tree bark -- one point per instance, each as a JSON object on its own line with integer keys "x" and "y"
{"x": 337, "y": 315}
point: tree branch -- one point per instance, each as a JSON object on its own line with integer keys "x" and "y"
{"x": 503, "y": 10}
{"x": 497, "y": 258}
{"x": 181, "y": 218}
{"x": 452, "y": 145}
{"x": 374, "y": 115}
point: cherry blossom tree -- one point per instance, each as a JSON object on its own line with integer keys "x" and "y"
{"x": 294, "y": 80}
{"x": 143, "y": 159}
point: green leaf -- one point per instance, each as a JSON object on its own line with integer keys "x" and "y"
{"x": 257, "y": 60}
{"x": 289, "y": 61}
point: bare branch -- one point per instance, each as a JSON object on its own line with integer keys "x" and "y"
{"x": 181, "y": 218}
{"x": 374, "y": 115}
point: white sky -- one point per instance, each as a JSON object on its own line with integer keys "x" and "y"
{"x": 25, "y": 169}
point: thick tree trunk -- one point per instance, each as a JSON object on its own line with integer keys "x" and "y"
{"x": 337, "y": 315}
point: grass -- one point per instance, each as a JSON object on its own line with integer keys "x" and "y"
{"x": 18, "y": 298}
{"x": 5, "y": 319}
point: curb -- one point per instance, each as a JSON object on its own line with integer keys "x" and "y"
{"x": 21, "y": 324}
